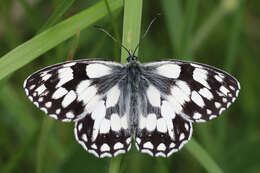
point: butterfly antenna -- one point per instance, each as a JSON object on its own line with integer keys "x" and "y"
{"x": 115, "y": 40}
{"x": 148, "y": 28}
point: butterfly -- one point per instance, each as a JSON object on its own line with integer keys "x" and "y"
{"x": 154, "y": 103}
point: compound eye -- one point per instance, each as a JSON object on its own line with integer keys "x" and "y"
{"x": 131, "y": 58}
{"x": 128, "y": 59}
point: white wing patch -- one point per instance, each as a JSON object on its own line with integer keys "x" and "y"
{"x": 154, "y": 96}
{"x": 169, "y": 70}
{"x": 112, "y": 96}
{"x": 102, "y": 136}
{"x": 97, "y": 70}
{"x": 97, "y": 96}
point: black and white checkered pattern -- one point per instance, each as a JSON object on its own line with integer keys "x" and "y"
{"x": 111, "y": 103}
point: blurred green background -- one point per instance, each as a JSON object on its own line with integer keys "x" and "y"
{"x": 222, "y": 33}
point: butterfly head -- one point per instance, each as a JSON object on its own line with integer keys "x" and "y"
{"x": 131, "y": 57}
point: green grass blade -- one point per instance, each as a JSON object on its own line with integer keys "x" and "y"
{"x": 131, "y": 26}
{"x": 48, "y": 39}
{"x": 192, "y": 7}
{"x": 174, "y": 21}
{"x": 115, "y": 164}
{"x": 115, "y": 31}
{"x": 42, "y": 143}
{"x": 203, "y": 157}
{"x": 211, "y": 22}
{"x": 232, "y": 46}
{"x": 234, "y": 36}
{"x": 58, "y": 13}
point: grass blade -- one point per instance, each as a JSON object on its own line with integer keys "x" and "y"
{"x": 48, "y": 39}
{"x": 232, "y": 46}
{"x": 131, "y": 26}
{"x": 174, "y": 18}
{"x": 42, "y": 143}
{"x": 185, "y": 51}
{"x": 210, "y": 24}
{"x": 203, "y": 157}
{"x": 58, "y": 13}
{"x": 115, "y": 31}
{"x": 115, "y": 164}
{"x": 234, "y": 36}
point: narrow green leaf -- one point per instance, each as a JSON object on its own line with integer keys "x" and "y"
{"x": 115, "y": 31}
{"x": 203, "y": 157}
{"x": 131, "y": 26}
{"x": 234, "y": 36}
{"x": 192, "y": 8}
{"x": 115, "y": 164}
{"x": 211, "y": 22}
{"x": 232, "y": 46}
{"x": 174, "y": 22}
{"x": 58, "y": 13}
{"x": 42, "y": 143}
{"x": 48, "y": 39}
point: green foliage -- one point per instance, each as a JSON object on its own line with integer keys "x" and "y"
{"x": 222, "y": 33}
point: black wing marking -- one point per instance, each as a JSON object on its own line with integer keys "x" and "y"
{"x": 196, "y": 91}
{"x": 164, "y": 140}
{"x": 68, "y": 91}
{"x": 160, "y": 131}
{"x": 104, "y": 132}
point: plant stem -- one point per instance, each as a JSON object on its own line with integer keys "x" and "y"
{"x": 131, "y": 26}
{"x": 203, "y": 157}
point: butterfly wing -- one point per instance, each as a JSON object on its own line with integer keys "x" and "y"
{"x": 88, "y": 93}
{"x": 177, "y": 94}
{"x": 103, "y": 136}
{"x": 109, "y": 135}
{"x": 67, "y": 90}
{"x": 196, "y": 91}
{"x": 160, "y": 131}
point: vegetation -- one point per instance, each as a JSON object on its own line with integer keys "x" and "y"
{"x": 38, "y": 33}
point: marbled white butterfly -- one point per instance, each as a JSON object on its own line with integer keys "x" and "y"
{"x": 111, "y": 103}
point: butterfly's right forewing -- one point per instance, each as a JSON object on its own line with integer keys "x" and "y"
{"x": 68, "y": 90}
{"x": 89, "y": 93}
